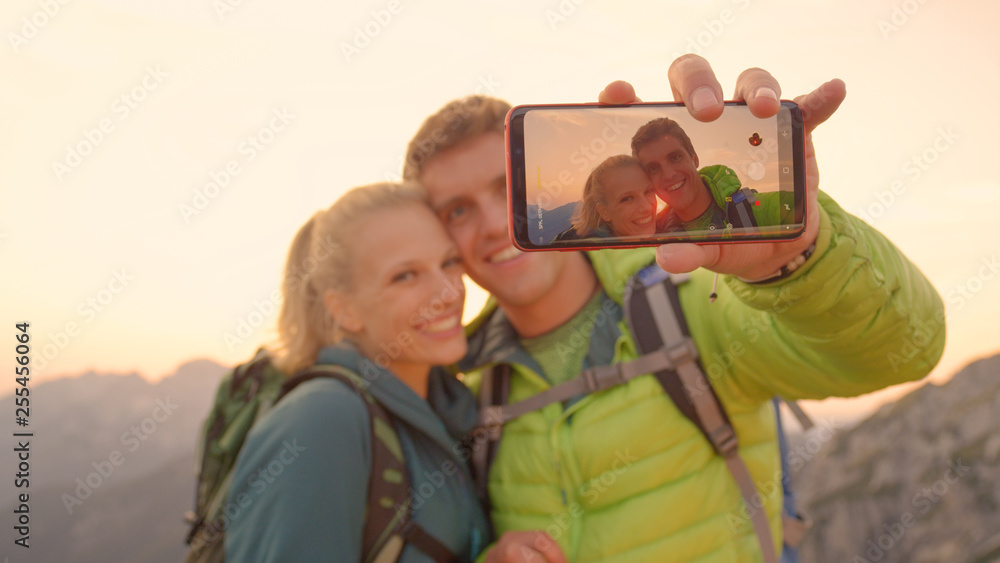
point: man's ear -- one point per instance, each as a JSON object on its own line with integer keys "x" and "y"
{"x": 695, "y": 155}
{"x": 343, "y": 311}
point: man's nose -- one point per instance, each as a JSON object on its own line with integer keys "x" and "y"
{"x": 494, "y": 222}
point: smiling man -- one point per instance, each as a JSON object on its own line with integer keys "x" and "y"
{"x": 621, "y": 475}
{"x": 697, "y": 200}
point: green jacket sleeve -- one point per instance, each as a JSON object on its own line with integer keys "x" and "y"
{"x": 299, "y": 490}
{"x": 857, "y": 317}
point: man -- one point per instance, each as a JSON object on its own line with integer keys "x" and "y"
{"x": 621, "y": 475}
{"x": 696, "y": 199}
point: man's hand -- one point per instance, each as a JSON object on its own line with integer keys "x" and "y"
{"x": 693, "y": 82}
{"x": 526, "y": 547}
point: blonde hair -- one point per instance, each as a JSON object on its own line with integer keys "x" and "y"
{"x": 586, "y": 218}
{"x": 321, "y": 258}
{"x": 458, "y": 121}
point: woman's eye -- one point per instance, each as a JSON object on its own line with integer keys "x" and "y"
{"x": 453, "y": 262}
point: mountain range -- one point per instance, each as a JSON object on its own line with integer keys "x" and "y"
{"x": 916, "y": 482}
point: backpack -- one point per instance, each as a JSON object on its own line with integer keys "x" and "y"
{"x": 244, "y": 396}
{"x": 655, "y": 318}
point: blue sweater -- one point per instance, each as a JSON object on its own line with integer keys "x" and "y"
{"x": 306, "y": 467}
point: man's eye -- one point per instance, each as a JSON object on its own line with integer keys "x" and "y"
{"x": 626, "y": 199}
{"x": 403, "y": 276}
{"x": 456, "y": 213}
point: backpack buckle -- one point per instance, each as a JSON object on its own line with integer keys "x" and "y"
{"x": 492, "y": 420}
{"x": 600, "y": 378}
{"x": 684, "y": 352}
{"x": 724, "y": 440}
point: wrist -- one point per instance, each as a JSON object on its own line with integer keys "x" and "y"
{"x": 785, "y": 270}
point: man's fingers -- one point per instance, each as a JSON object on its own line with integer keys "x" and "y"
{"x": 526, "y": 546}
{"x": 618, "y": 92}
{"x": 678, "y": 258}
{"x": 818, "y": 105}
{"x": 693, "y": 82}
{"x": 760, "y": 90}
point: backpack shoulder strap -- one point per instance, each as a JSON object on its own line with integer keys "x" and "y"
{"x": 243, "y": 395}
{"x": 494, "y": 389}
{"x": 739, "y": 208}
{"x": 654, "y": 315}
{"x": 388, "y": 526}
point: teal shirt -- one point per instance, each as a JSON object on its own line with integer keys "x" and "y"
{"x": 305, "y": 468}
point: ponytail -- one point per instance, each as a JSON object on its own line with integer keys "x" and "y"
{"x": 320, "y": 259}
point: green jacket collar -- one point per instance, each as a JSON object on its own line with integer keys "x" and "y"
{"x": 492, "y": 339}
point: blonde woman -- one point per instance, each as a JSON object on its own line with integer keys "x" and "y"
{"x": 372, "y": 284}
{"x": 618, "y": 199}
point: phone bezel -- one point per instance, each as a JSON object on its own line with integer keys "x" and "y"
{"x": 517, "y": 186}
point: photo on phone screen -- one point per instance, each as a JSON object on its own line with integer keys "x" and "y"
{"x": 590, "y": 176}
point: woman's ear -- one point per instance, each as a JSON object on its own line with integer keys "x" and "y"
{"x": 343, "y": 311}
{"x": 602, "y": 211}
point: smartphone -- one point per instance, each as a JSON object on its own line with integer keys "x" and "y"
{"x": 591, "y": 176}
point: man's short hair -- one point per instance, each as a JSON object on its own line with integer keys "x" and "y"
{"x": 658, "y": 129}
{"x": 458, "y": 121}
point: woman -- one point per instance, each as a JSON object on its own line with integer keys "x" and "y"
{"x": 372, "y": 284}
{"x": 618, "y": 199}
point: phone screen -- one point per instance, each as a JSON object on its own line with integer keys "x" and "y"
{"x": 591, "y": 176}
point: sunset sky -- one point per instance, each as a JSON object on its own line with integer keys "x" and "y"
{"x": 564, "y": 145}
{"x": 158, "y": 157}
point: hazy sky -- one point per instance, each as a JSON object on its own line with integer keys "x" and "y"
{"x": 157, "y": 157}
{"x": 563, "y": 146}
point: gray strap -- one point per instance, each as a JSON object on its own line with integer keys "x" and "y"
{"x": 800, "y": 415}
{"x": 481, "y": 452}
{"x": 742, "y": 209}
{"x": 590, "y": 381}
{"x": 758, "y": 516}
{"x": 709, "y": 411}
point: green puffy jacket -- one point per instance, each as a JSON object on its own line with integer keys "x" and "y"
{"x": 622, "y": 476}
{"x": 774, "y": 208}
